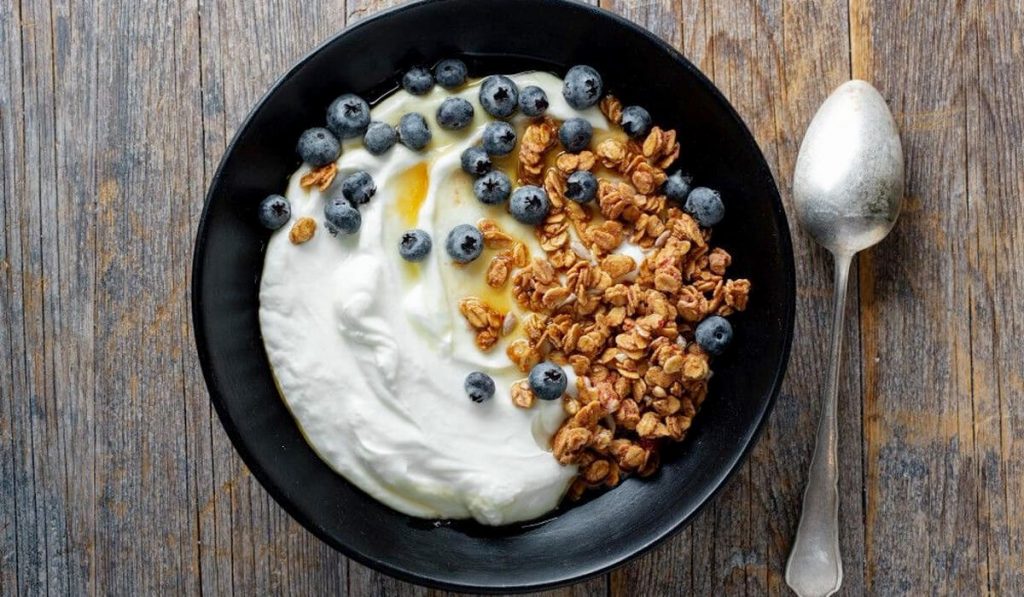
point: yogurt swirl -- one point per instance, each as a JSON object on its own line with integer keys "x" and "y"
{"x": 370, "y": 352}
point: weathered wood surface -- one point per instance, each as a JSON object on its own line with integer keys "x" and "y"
{"x": 116, "y": 477}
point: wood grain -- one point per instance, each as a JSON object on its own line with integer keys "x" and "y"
{"x": 117, "y": 478}
{"x": 994, "y": 129}
{"x": 923, "y": 487}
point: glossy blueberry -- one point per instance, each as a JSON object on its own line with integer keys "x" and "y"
{"x": 414, "y": 245}
{"x": 358, "y": 187}
{"x": 677, "y": 186}
{"x": 454, "y": 113}
{"x": 581, "y": 186}
{"x": 499, "y": 138}
{"x": 479, "y": 386}
{"x": 705, "y": 206}
{"x": 418, "y": 81}
{"x": 413, "y": 131}
{"x": 464, "y": 243}
{"x": 318, "y": 147}
{"x": 529, "y": 205}
{"x": 475, "y": 161}
{"x": 635, "y": 121}
{"x": 275, "y": 211}
{"x": 548, "y": 381}
{"x": 342, "y": 216}
{"x": 582, "y": 87}
{"x": 379, "y": 137}
{"x": 533, "y": 101}
{"x": 450, "y": 73}
{"x": 499, "y": 96}
{"x": 493, "y": 188}
{"x": 714, "y": 334}
{"x": 348, "y": 116}
{"x": 575, "y": 134}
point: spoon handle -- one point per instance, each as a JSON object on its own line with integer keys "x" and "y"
{"x": 815, "y": 568}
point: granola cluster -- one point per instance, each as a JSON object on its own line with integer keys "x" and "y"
{"x": 626, "y": 328}
{"x": 321, "y": 177}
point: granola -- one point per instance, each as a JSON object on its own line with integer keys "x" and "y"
{"x": 321, "y": 177}
{"x": 485, "y": 320}
{"x": 626, "y": 328}
{"x": 302, "y": 230}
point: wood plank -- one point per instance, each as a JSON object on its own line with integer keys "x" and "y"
{"x": 249, "y": 544}
{"x": 141, "y": 470}
{"x": 993, "y": 70}
{"x": 74, "y": 107}
{"x": 8, "y": 489}
{"x": 39, "y": 310}
{"x": 21, "y": 544}
{"x": 776, "y": 62}
{"x": 921, "y": 472}
{"x": 10, "y": 157}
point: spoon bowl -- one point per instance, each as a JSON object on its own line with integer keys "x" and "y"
{"x": 848, "y": 181}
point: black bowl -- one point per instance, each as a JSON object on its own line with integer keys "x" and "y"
{"x": 582, "y": 540}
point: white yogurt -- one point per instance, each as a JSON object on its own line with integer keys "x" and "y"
{"x": 370, "y": 352}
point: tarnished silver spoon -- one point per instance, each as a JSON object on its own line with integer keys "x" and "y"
{"x": 848, "y": 188}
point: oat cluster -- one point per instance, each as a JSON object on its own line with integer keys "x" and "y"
{"x": 320, "y": 177}
{"x": 302, "y": 230}
{"x": 626, "y": 328}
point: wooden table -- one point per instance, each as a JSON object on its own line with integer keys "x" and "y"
{"x": 116, "y": 477}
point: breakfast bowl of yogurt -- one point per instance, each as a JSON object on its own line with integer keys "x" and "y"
{"x": 490, "y": 308}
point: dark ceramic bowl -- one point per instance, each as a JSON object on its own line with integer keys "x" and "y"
{"x": 584, "y": 539}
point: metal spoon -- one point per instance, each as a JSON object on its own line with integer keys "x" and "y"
{"x": 848, "y": 187}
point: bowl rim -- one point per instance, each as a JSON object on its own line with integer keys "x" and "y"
{"x": 438, "y": 581}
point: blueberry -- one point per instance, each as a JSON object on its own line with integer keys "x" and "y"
{"x": 413, "y": 131}
{"x": 499, "y": 138}
{"x": 275, "y": 211}
{"x": 450, "y": 73}
{"x": 499, "y": 96}
{"x": 479, "y": 386}
{"x": 415, "y": 245}
{"x": 418, "y": 81}
{"x": 529, "y": 204}
{"x": 714, "y": 334}
{"x": 464, "y": 243}
{"x": 358, "y": 187}
{"x": 635, "y": 121}
{"x": 379, "y": 137}
{"x": 548, "y": 381}
{"x": 705, "y": 206}
{"x": 475, "y": 161}
{"x": 581, "y": 186}
{"x": 493, "y": 188}
{"x": 533, "y": 101}
{"x": 575, "y": 134}
{"x": 348, "y": 116}
{"x": 582, "y": 87}
{"x": 318, "y": 147}
{"x": 454, "y": 113}
{"x": 341, "y": 216}
{"x": 677, "y": 186}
